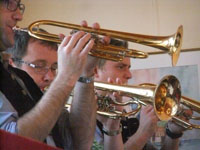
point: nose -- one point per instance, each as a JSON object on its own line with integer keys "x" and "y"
{"x": 18, "y": 15}
{"x": 128, "y": 74}
{"x": 49, "y": 76}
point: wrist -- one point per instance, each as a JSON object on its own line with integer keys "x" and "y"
{"x": 112, "y": 124}
{"x": 112, "y": 132}
{"x": 171, "y": 134}
{"x": 85, "y": 79}
{"x": 66, "y": 80}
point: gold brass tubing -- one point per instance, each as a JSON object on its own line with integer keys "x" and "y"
{"x": 171, "y": 44}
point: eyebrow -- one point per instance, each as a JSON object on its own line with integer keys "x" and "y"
{"x": 43, "y": 61}
{"x": 123, "y": 64}
{"x": 40, "y": 60}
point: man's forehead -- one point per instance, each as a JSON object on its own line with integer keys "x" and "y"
{"x": 42, "y": 61}
{"x": 121, "y": 63}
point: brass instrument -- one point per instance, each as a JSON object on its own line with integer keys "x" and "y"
{"x": 165, "y": 97}
{"x": 192, "y": 104}
{"x": 171, "y": 44}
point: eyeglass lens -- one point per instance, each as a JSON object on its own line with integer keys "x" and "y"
{"x": 12, "y": 5}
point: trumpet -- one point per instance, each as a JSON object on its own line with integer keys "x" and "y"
{"x": 171, "y": 44}
{"x": 165, "y": 97}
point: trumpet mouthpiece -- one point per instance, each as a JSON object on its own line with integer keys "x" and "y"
{"x": 17, "y": 28}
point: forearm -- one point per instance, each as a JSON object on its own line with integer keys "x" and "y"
{"x": 83, "y": 115}
{"x": 171, "y": 144}
{"x": 113, "y": 142}
{"x": 39, "y": 121}
{"x": 137, "y": 141}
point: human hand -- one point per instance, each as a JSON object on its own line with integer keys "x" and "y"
{"x": 92, "y": 61}
{"x": 148, "y": 121}
{"x": 72, "y": 54}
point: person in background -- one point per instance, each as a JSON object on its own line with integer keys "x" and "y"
{"x": 109, "y": 70}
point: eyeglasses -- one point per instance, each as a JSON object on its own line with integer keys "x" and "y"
{"x": 40, "y": 66}
{"x": 12, "y": 5}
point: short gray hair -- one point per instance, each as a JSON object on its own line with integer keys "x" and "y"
{"x": 22, "y": 39}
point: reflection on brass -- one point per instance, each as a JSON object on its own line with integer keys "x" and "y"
{"x": 168, "y": 106}
{"x": 160, "y": 99}
{"x": 192, "y": 104}
{"x": 170, "y": 44}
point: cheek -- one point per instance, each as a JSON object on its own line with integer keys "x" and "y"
{"x": 112, "y": 76}
{"x": 103, "y": 76}
{"x": 117, "y": 75}
{"x": 35, "y": 76}
{"x": 26, "y": 69}
{"x": 8, "y": 38}
{"x": 38, "y": 79}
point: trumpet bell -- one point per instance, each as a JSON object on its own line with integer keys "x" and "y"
{"x": 167, "y": 98}
{"x": 193, "y": 105}
{"x": 175, "y": 50}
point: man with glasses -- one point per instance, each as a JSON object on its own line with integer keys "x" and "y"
{"x": 36, "y": 57}
{"x": 23, "y": 108}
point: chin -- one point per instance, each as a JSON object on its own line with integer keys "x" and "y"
{"x": 10, "y": 42}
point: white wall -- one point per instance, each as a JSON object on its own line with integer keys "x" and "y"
{"x": 153, "y": 17}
